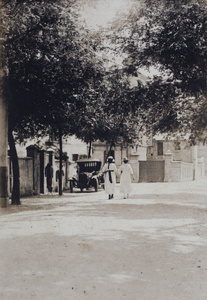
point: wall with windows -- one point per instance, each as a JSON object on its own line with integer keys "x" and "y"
{"x": 180, "y": 149}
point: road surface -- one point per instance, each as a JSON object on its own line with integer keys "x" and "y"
{"x": 84, "y": 246}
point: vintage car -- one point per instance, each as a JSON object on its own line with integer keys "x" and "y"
{"x": 88, "y": 175}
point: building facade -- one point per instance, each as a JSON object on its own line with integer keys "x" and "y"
{"x": 33, "y": 159}
{"x": 173, "y": 160}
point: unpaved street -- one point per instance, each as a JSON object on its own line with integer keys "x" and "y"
{"x": 83, "y": 246}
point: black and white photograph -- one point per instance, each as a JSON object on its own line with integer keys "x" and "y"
{"x": 103, "y": 149}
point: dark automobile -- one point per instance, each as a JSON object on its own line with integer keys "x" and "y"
{"x": 88, "y": 175}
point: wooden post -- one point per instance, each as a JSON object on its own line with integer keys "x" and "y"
{"x": 61, "y": 161}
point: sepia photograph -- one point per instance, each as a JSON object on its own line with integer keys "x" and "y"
{"x": 103, "y": 149}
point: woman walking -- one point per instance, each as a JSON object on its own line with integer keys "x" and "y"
{"x": 125, "y": 180}
{"x": 109, "y": 171}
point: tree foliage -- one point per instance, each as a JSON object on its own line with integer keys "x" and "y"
{"x": 178, "y": 42}
{"x": 50, "y": 63}
{"x": 171, "y": 37}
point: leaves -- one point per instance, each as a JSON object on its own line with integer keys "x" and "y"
{"x": 50, "y": 62}
{"x": 172, "y": 38}
{"x": 62, "y": 76}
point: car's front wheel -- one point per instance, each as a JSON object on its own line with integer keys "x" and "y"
{"x": 95, "y": 184}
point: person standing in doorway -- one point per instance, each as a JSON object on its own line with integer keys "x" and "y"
{"x": 58, "y": 177}
{"x": 109, "y": 171}
{"x": 125, "y": 180}
{"x": 49, "y": 176}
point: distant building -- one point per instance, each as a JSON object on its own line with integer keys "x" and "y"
{"x": 158, "y": 159}
{"x": 173, "y": 160}
{"x": 33, "y": 158}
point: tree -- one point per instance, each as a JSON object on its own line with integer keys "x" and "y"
{"x": 171, "y": 37}
{"x": 107, "y": 114}
{"x": 180, "y": 46}
{"x": 3, "y": 115}
{"x": 50, "y": 63}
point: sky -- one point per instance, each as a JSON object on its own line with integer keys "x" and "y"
{"x": 99, "y": 13}
{"x": 102, "y": 12}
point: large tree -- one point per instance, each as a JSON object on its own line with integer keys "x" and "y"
{"x": 171, "y": 38}
{"x": 50, "y": 63}
{"x": 3, "y": 114}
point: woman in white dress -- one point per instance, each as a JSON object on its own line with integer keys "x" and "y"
{"x": 125, "y": 180}
{"x": 110, "y": 171}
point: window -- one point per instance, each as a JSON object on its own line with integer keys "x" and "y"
{"x": 75, "y": 157}
{"x": 159, "y": 148}
{"x": 177, "y": 146}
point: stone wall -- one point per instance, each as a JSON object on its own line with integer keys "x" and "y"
{"x": 176, "y": 171}
{"x": 151, "y": 171}
{"x": 26, "y": 176}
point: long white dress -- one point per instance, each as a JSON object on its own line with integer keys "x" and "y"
{"x": 109, "y": 186}
{"x": 125, "y": 180}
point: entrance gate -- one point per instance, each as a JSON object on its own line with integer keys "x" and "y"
{"x": 152, "y": 171}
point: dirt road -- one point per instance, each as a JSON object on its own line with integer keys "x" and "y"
{"x": 84, "y": 246}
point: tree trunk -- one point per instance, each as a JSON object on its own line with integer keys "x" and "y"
{"x": 3, "y": 118}
{"x": 61, "y": 160}
{"x": 15, "y": 166}
{"x": 89, "y": 149}
{"x": 110, "y": 148}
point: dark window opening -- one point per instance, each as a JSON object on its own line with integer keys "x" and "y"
{"x": 159, "y": 148}
{"x": 75, "y": 157}
{"x": 177, "y": 145}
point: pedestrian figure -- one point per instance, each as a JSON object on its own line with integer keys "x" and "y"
{"x": 58, "y": 177}
{"x": 125, "y": 180}
{"x": 49, "y": 175}
{"x": 109, "y": 171}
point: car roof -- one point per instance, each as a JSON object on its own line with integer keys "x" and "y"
{"x": 88, "y": 160}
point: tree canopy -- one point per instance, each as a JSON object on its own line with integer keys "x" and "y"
{"x": 54, "y": 67}
{"x": 50, "y": 63}
{"x": 107, "y": 114}
{"x": 171, "y": 38}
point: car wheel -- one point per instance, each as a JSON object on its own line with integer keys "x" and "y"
{"x": 96, "y": 185}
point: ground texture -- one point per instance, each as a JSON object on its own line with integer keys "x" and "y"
{"x": 84, "y": 246}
